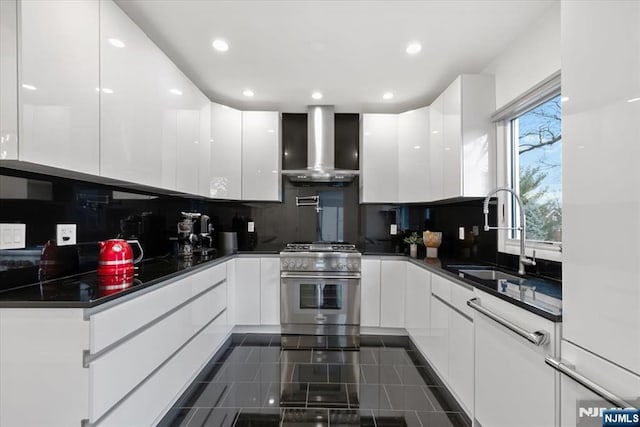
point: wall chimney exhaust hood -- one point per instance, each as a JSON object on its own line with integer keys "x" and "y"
{"x": 320, "y": 150}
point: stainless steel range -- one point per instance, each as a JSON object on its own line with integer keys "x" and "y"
{"x": 320, "y": 289}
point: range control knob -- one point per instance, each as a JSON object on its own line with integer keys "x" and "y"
{"x": 305, "y": 264}
{"x": 334, "y": 265}
{"x": 298, "y": 264}
{"x": 284, "y": 263}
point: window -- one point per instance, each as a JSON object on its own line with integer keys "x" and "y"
{"x": 536, "y": 170}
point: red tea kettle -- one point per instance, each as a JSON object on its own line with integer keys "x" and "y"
{"x": 116, "y": 257}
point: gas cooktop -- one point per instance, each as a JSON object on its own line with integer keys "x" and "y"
{"x": 320, "y": 247}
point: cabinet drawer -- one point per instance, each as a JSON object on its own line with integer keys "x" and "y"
{"x": 459, "y": 297}
{"x": 118, "y": 371}
{"x": 441, "y": 287}
{"x": 146, "y": 404}
{"x": 114, "y": 323}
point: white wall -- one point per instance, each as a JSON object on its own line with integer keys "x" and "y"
{"x": 529, "y": 59}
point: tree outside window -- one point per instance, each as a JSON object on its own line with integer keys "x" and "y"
{"x": 537, "y": 169}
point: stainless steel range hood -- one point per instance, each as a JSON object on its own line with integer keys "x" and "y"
{"x": 320, "y": 150}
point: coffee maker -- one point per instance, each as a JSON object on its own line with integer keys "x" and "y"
{"x": 187, "y": 238}
{"x": 205, "y": 237}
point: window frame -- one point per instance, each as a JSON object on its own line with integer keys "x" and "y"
{"x": 539, "y": 94}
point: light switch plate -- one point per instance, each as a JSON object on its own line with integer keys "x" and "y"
{"x": 394, "y": 229}
{"x": 476, "y": 230}
{"x": 65, "y": 234}
{"x": 251, "y": 226}
{"x": 12, "y": 236}
{"x": 461, "y": 233}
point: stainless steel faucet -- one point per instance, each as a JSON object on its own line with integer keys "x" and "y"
{"x": 524, "y": 260}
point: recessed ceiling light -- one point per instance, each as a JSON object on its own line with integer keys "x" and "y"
{"x": 107, "y": 90}
{"x": 387, "y": 95}
{"x": 29, "y": 87}
{"x": 435, "y": 131}
{"x": 247, "y": 92}
{"x": 175, "y": 91}
{"x": 316, "y": 95}
{"x": 270, "y": 131}
{"x": 564, "y": 99}
{"x": 220, "y": 45}
{"x": 416, "y": 147}
{"x": 116, "y": 43}
{"x": 414, "y": 48}
{"x": 633, "y": 99}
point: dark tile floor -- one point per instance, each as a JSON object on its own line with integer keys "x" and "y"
{"x": 274, "y": 380}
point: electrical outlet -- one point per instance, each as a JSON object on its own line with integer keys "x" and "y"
{"x": 394, "y": 229}
{"x": 461, "y": 233}
{"x": 65, "y": 234}
{"x": 476, "y": 230}
{"x": 251, "y": 226}
{"x": 12, "y": 236}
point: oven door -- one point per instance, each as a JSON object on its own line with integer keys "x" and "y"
{"x": 320, "y": 299}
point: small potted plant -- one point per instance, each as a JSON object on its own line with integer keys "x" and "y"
{"x": 414, "y": 240}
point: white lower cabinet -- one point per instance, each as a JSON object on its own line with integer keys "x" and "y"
{"x": 417, "y": 307}
{"x": 257, "y": 291}
{"x": 270, "y": 291}
{"x": 128, "y": 374}
{"x": 247, "y": 292}
{"x": 370, "y": 292}
{"x": 393, "y": 275}
{"x": 513, "y": 385}
{"x": 437, "y": 343}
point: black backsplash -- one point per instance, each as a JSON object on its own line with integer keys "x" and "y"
{"x": 42, "y": 201}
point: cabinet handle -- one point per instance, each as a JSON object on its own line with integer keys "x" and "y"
{"x": 586, "y": 382}
{"x": 536, "y": 337}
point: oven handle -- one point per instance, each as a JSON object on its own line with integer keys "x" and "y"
{"x": 317, "y": 276}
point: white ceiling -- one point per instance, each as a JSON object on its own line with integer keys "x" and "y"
{"x": 351, "y": 51}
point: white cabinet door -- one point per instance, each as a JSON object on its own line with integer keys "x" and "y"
{"x": 379, "y": 158}
{"x": 600, "y": 149}
{"x": 9, "y": 80}
{"x": 261, "y": 178}
{"x": 460, "y": 375}
{"x": 370, "y": 293}
{"x": 437, "y": 343}
{"x": 138, "y": 120}
{"x": 452, "y": 139}
{"x": 247, "y": 291}
{"x": 417, "y": 303}
{"x": 225, "y": 177}
{"x": 393, "y": 275}
{"x": 204, "y": 158}
{"x": 270, "y": 291}
{"x": 511, "y": 376}
{"x": 190, "y": 105}
{"x": 59, "y": 80}
{"x": 467, "y": 136}
{"x": 413, "y": 156}
{"x": 436, "y": 150}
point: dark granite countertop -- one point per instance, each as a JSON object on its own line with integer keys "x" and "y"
{"x": 546, "y": 289}
{"x": 85, "y": 291}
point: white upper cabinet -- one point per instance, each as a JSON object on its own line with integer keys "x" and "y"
{"x": 225, "y": 176}
{"x": 139, "y": 101}
{"x": 379, "y": 158}
{"x": 600, "y": 151}
{"x": 413, "y": 156}
{"x": 261, "y": 177}
{"x": 192, "y": 140}
{"x": 59, "y": 77}
{"x": 9, "y": 80}
{"x": 467, "y": 137}
{"x": 436, "y": 150}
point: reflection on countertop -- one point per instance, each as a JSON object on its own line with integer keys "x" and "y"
{"x": 89, "y": 289}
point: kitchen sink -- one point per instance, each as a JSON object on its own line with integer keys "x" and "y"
{"x": 489, "y": 274}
